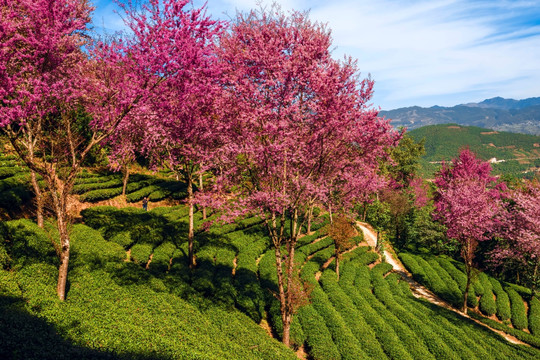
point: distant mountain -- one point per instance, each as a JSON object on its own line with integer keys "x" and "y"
{"x": 510, "y": 153}
{"x": 519, "y": 116}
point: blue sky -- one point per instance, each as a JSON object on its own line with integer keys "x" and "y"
{"x": 419, "y": 52}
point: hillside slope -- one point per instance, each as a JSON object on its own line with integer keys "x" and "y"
{"x": 520, "y": 116}
{"x": 516, "y": 154}
{"x": 132, "y": 296}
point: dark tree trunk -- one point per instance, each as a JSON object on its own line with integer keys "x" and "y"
{"x": 337, "y": 266}
{"x": 309, "y": 218}
{"x": 468, "y": 250}
{"x": 125, "y": 169}
{"x": 39, "y": 199}
{"x": 201, "y": 189}
{"x": 59, "y": 193}
{"x": 466, "y": 293}
{"x": 191, "y": 255}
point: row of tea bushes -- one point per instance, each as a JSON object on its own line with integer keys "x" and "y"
{"x": 371, "y": 314}
{"x": 114, "y": 309}
{"x": 445, "y": 277}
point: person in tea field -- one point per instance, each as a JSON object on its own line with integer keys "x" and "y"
{"x": 145, "y": 203}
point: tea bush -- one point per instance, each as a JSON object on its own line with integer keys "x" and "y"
{"x": 518, "y": 311}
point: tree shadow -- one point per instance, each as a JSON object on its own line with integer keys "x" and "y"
{"x": 26, "y": 336}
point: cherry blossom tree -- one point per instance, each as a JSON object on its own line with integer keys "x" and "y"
{"x": 468, "y": 201}
{"x": 522, "y": 238}
{"x": 295, "y": 123}
{"x": 49, "y": 86}
{"x": 178, "y": 120}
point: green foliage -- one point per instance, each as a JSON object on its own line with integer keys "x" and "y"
{"x": 443, "y": 142}
{"x": 140, "y": 253}
{"x": 318, "y": 337}
{"x": 502, "y": 300}
{"x": 99, "y": 195}
{"x": 534, "y": 316}
{"x": 25, "y": 243}
{"x": 405, "y": 158}
{"x": 518, "y": 310}
{"x": 89, "y": 247}
{"x": 123, "y": 239}
{"x": 487, "y": 301}
{"x": 347, "y": 344}
{"x": 95, "y": 183}
{"x": 520, "y": 335}
{"x": 140, "y": 194}
{"x": 352, "y": 307}
{"x": 162, "y": 257}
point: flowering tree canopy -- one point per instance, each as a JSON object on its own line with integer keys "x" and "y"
{"x": 468, "y": 201}
{"x": 296, "y": 126}
{"x": 522, "y": 238}
{"x": 175, "y": 49}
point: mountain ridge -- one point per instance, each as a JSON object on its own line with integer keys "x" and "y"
{"x": 500, "y": 114}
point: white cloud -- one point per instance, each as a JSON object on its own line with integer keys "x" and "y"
{"x": 424, "y": 52}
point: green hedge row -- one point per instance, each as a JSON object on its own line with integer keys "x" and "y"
{"x": 140, "y": 253}
{"x": 162, "y": 257}
{"x": 518, "y": 310}
{"x": 487, "y": 301}
{"x": 345, "y": 341}
{"x": 452, "y": 292}
{"x": 502, "y": 301}
{"x": 140, "y": 194}
{"x": 303, "y": 252}
{"x": 442, "y": 277}
{"x": 90, "y": 178}
{"x": 89, "y": 247}
{"x": 439, "y": 328}
{"x": 519, "y": 334}
{"x": 406, "y": 325}
{"x": 123, "y": 239}
{"x": 6, "y": 172}
{"x": 251, "y": 297}
{"x": 352, "y": 312}
{"x": 375, "y": 312}
{"x": 225, "y": 291}
{"x": 320, "y": 345}
{"x": 102, "y": 184}
{"x": 100, "y": 195}
{"x": 534, "y": 316}
{"x": 11, "y": 182}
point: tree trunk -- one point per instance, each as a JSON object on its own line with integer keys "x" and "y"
{"x": 330, "y": 213}
{"x": 59, "y": 197}
{"x": 337, "y": 266}
{"x": 39, "y": 199}
{"x": 534, "y": 284}
{"x": 466, "y": 293}
{"x": 364, "y": 215}
{"x": 200, "y": 189}
{"x": 125, "y": 169}
{"x": 310, "y": 217}
{"x": 64, "y": 257}
{"x": 282, "y": 298}
{"x": 191, "y": 255}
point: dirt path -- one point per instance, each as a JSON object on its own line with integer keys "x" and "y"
{"x": 418, "y": 290}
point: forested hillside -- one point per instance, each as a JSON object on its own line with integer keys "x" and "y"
{"x": 516, "y": 154}
{"x": 518, "y": 116}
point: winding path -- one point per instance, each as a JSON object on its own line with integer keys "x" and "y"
{"x": 418, "y": 290}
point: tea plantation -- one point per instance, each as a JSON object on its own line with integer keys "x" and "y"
{"x": 132, "y": 296}
{"x": 504, "y": 306}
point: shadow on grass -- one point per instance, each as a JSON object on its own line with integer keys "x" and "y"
{"x": 26, "y": 336}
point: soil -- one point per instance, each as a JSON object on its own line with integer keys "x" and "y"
{"x": 75, "y": 206}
